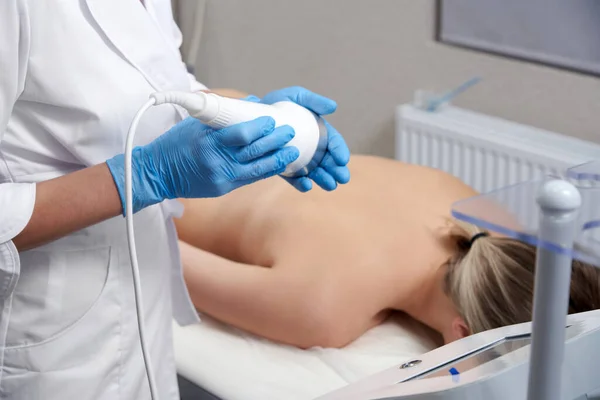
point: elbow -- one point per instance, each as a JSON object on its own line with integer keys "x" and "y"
{"x": 324, "y": 338}
{"x": 324, "y": 326}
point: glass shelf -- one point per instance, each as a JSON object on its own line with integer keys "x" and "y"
{"x": 513, "y": 211}
{"x": 585, "y": 172}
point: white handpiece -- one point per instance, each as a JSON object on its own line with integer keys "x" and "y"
{"x": 218, "y": 112}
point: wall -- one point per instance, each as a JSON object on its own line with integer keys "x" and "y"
{"x": 371, "y": 55}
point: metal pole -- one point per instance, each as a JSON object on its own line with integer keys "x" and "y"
{"x": 559, "y": 203}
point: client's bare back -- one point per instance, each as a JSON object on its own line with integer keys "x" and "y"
{"x": 378, "y": 211}
{"x": 379, "y": 235}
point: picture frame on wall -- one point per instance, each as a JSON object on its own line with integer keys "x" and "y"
{"x": 557, "y": 33}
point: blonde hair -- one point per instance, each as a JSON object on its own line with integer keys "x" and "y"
{"x": 491, "y": 280}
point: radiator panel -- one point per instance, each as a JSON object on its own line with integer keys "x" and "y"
{"x": 485, "y": 152}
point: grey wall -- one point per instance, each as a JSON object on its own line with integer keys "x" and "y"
{"x": 371, "y": 55}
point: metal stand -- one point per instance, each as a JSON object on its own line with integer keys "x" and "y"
{"x": 559, "y": 203}
{"x": 552, "y": 215}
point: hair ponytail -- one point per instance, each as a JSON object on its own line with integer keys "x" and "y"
{"x": 491, "y": 279}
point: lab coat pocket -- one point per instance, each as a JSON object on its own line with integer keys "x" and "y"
{"x": 60, "y": 308}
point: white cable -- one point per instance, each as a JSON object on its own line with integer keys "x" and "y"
{"x": 132, "y": 251}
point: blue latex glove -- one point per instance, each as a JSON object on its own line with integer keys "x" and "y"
{"x": 333, "y": 168}
{"x": 192, "y": 160}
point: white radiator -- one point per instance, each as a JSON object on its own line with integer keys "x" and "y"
{"x": 485, "y": 152}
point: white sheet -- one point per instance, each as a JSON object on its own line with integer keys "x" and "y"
{"x": 235, "y": 365}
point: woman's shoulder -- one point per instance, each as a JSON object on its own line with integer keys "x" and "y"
{"x": 412, "y": 175}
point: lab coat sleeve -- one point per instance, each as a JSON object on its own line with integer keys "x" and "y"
{"x": 16, "y": 199}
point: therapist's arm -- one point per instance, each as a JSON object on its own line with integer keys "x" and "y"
{"x": 76, "y": 201}
{"x": 70, "y": 203}
{"x": 62, "y": 205}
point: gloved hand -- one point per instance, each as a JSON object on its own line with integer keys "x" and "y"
{"x": 192, "y": 160}
{"x": 333, "y": 168}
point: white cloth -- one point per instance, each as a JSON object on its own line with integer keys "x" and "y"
{"x": 235, "y": 365}
{"x": 72, "y": 75}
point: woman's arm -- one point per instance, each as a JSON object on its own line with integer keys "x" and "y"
{"x": 281, "y": 304}
{"x": 245, "y": 296}
{"x": 70, "y": 203}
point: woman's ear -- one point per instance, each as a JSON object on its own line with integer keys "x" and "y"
{"x": 459, "y": 328}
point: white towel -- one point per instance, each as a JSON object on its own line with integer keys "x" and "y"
{"x": 236, "y": 365}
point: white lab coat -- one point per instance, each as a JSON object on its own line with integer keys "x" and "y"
{"x": 72, "y": 75}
